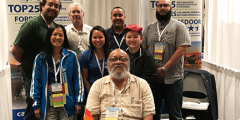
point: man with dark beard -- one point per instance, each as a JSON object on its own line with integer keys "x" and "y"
{"x": 127, "y": 96}
{"x": 29, "y": 42}
{"x": 116, "y": 34}
{"x": 167, "y": 39}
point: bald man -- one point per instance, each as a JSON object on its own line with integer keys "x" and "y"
{"x": 127, "y": 96}
{"x": 167, "y": 39}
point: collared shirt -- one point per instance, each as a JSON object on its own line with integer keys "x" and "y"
{"x": 134, "y": 103}
{"x": 175, "y": 35}
{"x": 110, "y": 33}
{"x": 31, "y": 38}
{"x": 45, "y": 20}
{"x": 78, "y": 40}
{"x": 90, "y": 63}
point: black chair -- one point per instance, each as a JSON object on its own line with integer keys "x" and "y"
{"x": 196, "y": 100}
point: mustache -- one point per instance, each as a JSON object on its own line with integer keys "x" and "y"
{"x": 118, "y": 66}
{"x": 52, "y": 10}
{"x": 165, "y": 17}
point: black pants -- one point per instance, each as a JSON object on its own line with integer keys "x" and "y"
{"x": 172, "y": 95}
{"x": 29, "y": 113}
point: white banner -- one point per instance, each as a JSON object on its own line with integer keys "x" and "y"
{"x": 19, "y": 11}
{"x": 188, "y": 12}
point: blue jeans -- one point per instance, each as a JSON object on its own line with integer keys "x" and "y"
{"x": 172, "y": 95}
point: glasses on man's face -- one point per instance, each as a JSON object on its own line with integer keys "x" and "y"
{"x": 76, "y": 12}
{"x": 55, "y": 6}
{"x": 121, "y": 59}
{"x": 163, "y": 5}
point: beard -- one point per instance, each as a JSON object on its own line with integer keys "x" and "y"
{"x": 165, "y": 17}
{"x": 47, "y": 15}
{"x": 122, "y": 75}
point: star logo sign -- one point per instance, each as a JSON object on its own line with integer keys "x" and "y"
{"x": 191, "y": 28}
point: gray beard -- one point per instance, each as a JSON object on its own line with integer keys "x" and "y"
{"x": 122, "y": 75}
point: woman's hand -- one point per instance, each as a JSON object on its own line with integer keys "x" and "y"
{"x": 38, "y": 113}
{"x": 78, "y": 109}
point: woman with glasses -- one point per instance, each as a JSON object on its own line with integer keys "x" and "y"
{"x": 141, "y": 62}
{"x": 94, "y": 60}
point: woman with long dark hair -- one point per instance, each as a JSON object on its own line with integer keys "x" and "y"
{"x": 94, "y": 60}
{"x": 57, "y": 88}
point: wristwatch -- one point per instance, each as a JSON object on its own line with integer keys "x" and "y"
{"x": 164, "y": 70}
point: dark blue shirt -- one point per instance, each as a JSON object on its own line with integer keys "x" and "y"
{"x": 51, "y": 74}
{"x": 110, "y": 32}
{"x": 90, "y": 63}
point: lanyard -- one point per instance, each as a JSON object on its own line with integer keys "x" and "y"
{"x": 101, "y": 70}
{"x": 79, "y": 42}
{"x": 119, "y": 45}
{"x": 114, "y": 97}
{"x": 55, "y": 72}
{"x": 160, "y": 35}
{"x": 79, "y": 37}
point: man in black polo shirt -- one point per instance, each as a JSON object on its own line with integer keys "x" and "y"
{"x": 30, "y": 41}
{"x": 115, "y": 33}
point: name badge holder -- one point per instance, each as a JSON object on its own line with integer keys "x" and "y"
{"x": 158, "y": 51}
{"x": 58, "y": 90}
{"x": 112, "y": 112}
{"x": 79, "y": 53}
{"x": 159, "y": 47}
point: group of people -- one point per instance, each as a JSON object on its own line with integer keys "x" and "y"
{"x": 117, "y": 73}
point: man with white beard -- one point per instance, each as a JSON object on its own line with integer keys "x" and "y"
{"x": 120, "y": 95}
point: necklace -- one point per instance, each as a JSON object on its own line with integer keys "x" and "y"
{"x": 55, "y": 60}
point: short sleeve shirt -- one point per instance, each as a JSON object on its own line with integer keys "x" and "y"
{"x": 90, "y": 63}
{"x": 134, "y": 103}
{"x": 78, "y": 40}
{"x": 119, "y": 37}
{"x": 174, "y": 35}
{"x": 31, "y": 38}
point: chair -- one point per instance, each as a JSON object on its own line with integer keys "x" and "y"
{"x": 195, "y": 96}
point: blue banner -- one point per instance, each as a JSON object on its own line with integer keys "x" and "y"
{"x": 18, "y": 114}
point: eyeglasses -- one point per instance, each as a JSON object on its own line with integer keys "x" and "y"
{"x": 76, "y": 11}
{"x": 56, "y": 6}
{"x": 121, "y": 59}
{"x": 163, "y": 5}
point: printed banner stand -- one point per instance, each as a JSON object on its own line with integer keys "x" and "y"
{"x": 188, "y": 12}
{"x": 19, "y": 11}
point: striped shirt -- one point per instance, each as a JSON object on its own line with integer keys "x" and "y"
{"x": 174, "y": 35}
